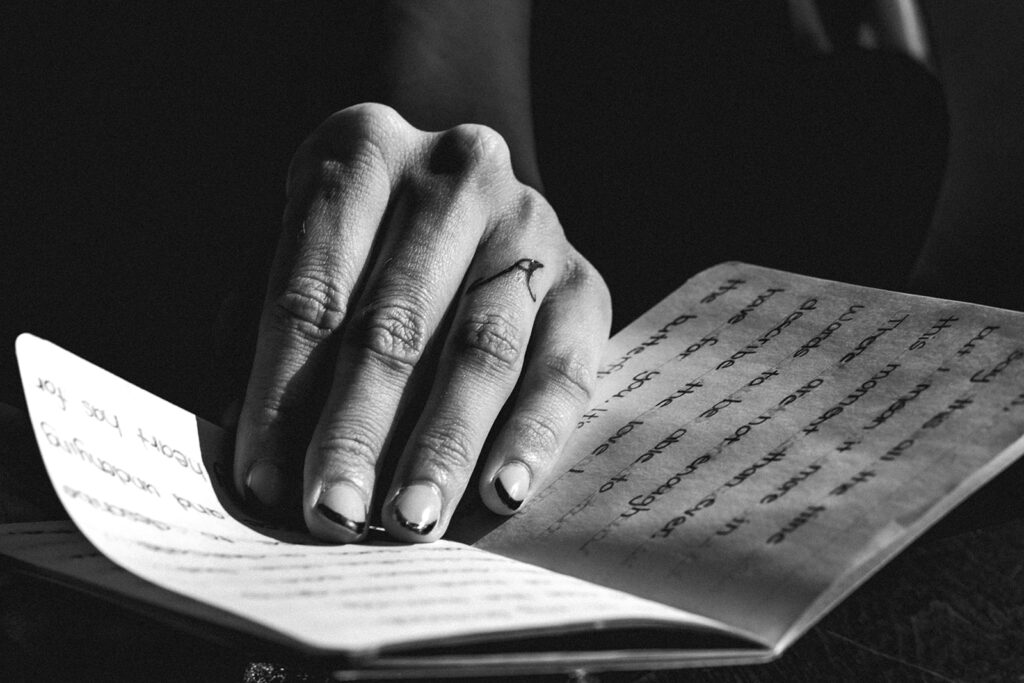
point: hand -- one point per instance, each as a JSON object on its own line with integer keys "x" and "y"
{"x": 413, "y": 260}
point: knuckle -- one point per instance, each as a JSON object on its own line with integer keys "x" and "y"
{"x": 331, "y": 177}
{"x": 362, "y": 137}
{"x": 354, "y": 451}
{"x": 536, "y": 433}
{"x": 570, "y": 374}
{"x": 393, "y": 332}
{"x": 533, "y": 209}
{"x": 579, "y": 272}
{"x": 366, "y": 155}
{"x": 447, "y": 449}
{"x": 581, "y": 275}
{"x": 281, "y": 405}
{"x": 470, "y": 150}
{"x": 369, "y": 120}
{"x": 348, "y": 161}
{"x": 311, "y": 303}
{"x": 490, "y": 338}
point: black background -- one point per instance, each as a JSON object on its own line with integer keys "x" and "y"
{"x": 146, "y": 146}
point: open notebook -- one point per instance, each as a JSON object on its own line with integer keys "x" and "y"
{"x": 759, "y": 444}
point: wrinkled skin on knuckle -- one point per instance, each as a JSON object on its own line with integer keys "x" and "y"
{"x": 445, "y": 451}
{"x": 394, "y": 332}
{"x": 569, "y": 373}
{"x": 310, "y": 303}
{"x": 536, "y": 434}
{"x": 491, "y": 339}
{"x": 351, "y": 455}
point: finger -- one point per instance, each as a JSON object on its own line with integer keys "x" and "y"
{"x": 335, "y": 207}
{"x": 479, "y": 367}
{"x": 418, "y": 274}
{"x": 556, "y": 388}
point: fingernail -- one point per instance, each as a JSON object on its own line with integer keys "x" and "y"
{"x": 512, "y": 483}
{"x": 344, "y": 505}
{"x": 418, "y": 508}
{"x": 264, "y": 483}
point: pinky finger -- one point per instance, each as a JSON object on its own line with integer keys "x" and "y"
{"x": 556, "y": 387}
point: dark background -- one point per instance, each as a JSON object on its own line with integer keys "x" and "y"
{"x": 146, "y": 146}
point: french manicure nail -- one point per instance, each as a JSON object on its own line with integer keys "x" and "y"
{"x": 512, "y": 483}
{"x": 344, "y": 505}
{"x": 418, "y": 508}
{"x": 264, "y": 482}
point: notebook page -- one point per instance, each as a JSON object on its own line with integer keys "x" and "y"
{"x": 131, "y": 471}
{"x": 760, "y": 440}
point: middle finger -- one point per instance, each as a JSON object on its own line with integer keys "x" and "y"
{"x": 437, "y": 227}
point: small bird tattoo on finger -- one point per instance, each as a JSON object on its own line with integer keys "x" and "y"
{"x": 526, "y": 265}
